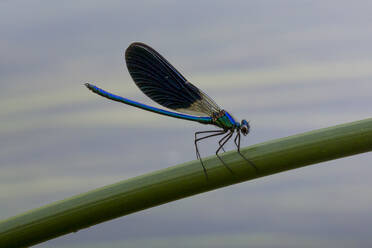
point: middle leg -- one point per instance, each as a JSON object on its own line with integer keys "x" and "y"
{"x": 226, "y": 138}
{"x": 216, "y": 133}
{"x": 221, "y": 141}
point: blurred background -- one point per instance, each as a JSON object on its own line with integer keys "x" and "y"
{"x": 287, "y": 66}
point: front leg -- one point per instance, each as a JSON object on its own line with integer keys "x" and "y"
{"x": 237, "y": 143}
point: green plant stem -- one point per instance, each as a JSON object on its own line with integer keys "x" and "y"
{"x": 159, "y": 187}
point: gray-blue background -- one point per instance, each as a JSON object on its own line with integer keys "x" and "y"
{"x": 287, "y": 66}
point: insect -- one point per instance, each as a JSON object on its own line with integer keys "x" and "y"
{"x": 160, "y": 81}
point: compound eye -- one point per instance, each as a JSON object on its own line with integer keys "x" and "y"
{"x": 244, "y": 129}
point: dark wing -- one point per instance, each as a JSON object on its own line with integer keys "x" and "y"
{"x": 160, "y": 81}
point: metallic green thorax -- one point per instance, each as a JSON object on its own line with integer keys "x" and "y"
{"x": 224, "y": 120}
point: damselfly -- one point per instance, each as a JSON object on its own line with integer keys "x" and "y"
{"x": 160, "y": 81}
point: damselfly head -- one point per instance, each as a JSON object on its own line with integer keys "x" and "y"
{"x": 244, "y": 127}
